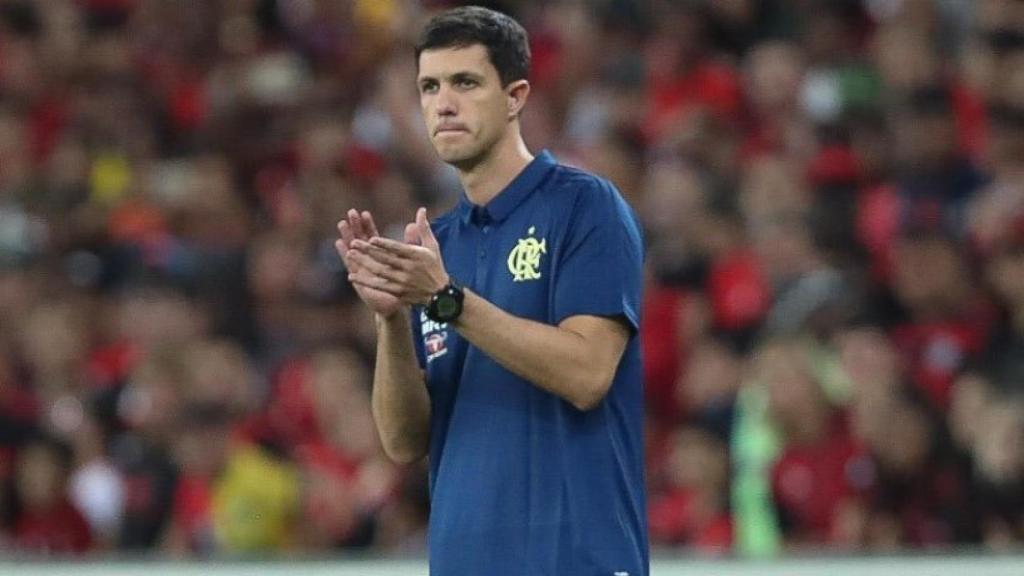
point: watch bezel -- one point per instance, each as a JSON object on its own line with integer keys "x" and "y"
{"x": 452, "y": 293}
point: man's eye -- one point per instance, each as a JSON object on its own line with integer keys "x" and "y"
{"x": 429, "y": 87}
{"x": 466, "y": 83}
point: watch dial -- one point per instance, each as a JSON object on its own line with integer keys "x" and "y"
{"x": 446, "y": 307}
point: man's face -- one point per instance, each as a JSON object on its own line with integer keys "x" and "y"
{"x": 464, "y": 104}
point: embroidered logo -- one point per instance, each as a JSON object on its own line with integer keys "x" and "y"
{"x": 524, "y": 259}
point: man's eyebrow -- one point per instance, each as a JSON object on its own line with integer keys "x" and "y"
{"x": 453, "y": 77}
{"x": 464, "y": 75}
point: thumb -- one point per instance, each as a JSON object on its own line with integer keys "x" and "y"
{"x": 426, "y": 234}
{"x": 412, "y": 234}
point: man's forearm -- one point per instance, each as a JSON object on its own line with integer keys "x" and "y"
{"x": 401, "y": 404}
{"x": 564, "y": 362}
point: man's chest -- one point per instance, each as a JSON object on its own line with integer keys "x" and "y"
{"x": 511, "y": 265}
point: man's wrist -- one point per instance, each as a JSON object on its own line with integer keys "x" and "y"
{"x": 446, "y": 304}
{"x": 383, "y": 320}
{"x": 444, "y": 284}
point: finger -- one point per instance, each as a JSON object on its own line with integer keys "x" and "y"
{"x": 366, "y": 261}
{"x": 395, "y": 247}
{"x": 350, "y": 263}
{"x": 426, "y": 234}
{"x": 346, "y": 235}
{"x": 377, "y": 283}
{"x": 342, "y": 249}
{"x": 356, "y": 222}
{"x": 376, "y": 267}
{"x": 369, "y": 225}
{"x": 364, "y": 290}
{"x": 381, "y": 255}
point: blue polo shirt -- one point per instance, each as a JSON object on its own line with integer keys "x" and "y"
{"x": 522, "y": 483}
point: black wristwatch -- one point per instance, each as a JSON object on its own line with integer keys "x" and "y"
{"x": 446, "y": 304}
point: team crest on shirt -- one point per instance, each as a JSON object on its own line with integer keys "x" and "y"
{"x": 435, "y": 337}
{"x": 524, "y": 259}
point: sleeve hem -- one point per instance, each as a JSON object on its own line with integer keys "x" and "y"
{"x": 624, "y": 311}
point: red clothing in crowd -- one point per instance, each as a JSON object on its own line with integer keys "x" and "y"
{"x": 937, "y": 351}
{"x": 682, "y": 517}
{"x": 58, "y": 530}
{"x": 810, "y": 482}
{"x": 707, "y": 86}
{"x": 192, "y": 510}
{"x": 738, "y": 292}
{"x": 664, "y": 349}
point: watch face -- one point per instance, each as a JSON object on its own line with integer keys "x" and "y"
{"x": 447, "y": 307}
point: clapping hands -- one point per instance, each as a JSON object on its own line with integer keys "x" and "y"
{"x": 387, "y": 274}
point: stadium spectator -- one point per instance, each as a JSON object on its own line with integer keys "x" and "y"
{"x": 841, "y": 177}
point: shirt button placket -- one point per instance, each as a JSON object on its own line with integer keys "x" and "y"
{"x": 485, "y": 230}
{"x": 481, "y": 263}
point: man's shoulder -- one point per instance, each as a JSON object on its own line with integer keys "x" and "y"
{"x": 587, "y": 191}
{"x": 581, "y": 189}
{"x": 573, "y": 178}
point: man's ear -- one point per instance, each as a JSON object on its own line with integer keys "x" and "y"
{"x": 517, "y": 93}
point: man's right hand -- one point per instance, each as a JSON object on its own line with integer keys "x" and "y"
{"x": 358, "y": 226}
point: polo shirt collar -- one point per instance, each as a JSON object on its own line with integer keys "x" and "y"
{"x": 513, "y": 195}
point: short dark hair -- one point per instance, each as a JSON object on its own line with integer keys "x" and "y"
{"x": 505, "y": 39}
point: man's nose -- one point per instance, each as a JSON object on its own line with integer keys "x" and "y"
{"x": 446, "y": 105}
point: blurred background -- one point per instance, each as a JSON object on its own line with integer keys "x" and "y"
{"x": 833, "y": 199}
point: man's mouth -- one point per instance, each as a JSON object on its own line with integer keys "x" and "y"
{"x": 450, "y": 129}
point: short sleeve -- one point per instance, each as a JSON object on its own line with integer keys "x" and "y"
{"x": 600, "y": 270}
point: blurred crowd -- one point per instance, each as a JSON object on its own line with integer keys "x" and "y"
{"x": 833, "y": 200}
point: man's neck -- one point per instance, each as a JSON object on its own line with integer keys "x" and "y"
{"x": 490, "y": 176}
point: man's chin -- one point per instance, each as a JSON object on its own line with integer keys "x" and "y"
{"x": 456, "y": 156}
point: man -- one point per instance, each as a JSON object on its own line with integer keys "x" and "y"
{"x": 522, "y": 376}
